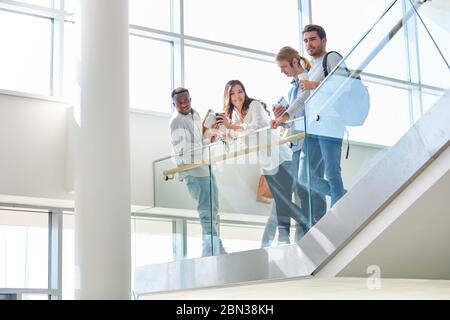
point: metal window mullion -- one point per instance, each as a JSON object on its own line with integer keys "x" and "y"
{"x": 304, "y": 18}
{"x": 179, "y": 236}
{"x": 182, "y": 47}
{"x": 55, "y": 230}
{"x": 57, "y": 62}
{"x": 202, "y": 43}
{"x": 412, "y": 66}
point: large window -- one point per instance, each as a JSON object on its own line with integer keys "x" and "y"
{"x": 343, "y": 33}
{"x": 150, "y": 74}
{"x": 71, "y": 87}
{"x": 207, "y": 72}
{"x": 26, "y": 54}
{"x": 346, "y": 21}
{"x": 152, "y": 241}
{"x": 23, "y": 249}
{"x": 158, "y": 60}
{"x": 150, "y": 13}
{"x": 433, "y": 69}
{"x": 261, "y": 24}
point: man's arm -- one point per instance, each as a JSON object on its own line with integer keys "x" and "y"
{"x": 308, "y": 84}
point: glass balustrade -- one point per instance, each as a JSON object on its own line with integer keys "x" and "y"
{"x": 185, "y": 190}
{"x": 245, "y": 192}
{"x": 360, "y": 111}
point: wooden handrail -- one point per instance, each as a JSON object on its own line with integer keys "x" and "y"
{"x": 190, "y": 166}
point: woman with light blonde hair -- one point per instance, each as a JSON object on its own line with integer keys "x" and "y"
{"x": 293, "y": 57}
{"x": 294, "y": 66}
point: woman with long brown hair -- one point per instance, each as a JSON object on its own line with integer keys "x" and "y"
{"x": 244, "y": 115}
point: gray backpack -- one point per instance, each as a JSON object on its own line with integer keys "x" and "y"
{"x": 353, "y": 104}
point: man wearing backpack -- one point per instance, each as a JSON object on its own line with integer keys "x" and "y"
{"x": 324, "y": 131}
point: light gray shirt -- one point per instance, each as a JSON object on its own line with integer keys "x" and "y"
{"x": 187, "y": 139}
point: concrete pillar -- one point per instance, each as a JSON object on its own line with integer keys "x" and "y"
{"x": 102, "y": 184}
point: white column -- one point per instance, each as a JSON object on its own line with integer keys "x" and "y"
{"x": 102, "y": 186}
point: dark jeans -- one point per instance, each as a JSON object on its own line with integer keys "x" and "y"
{"x": 272, "y": 222}
{"x": 280, "y": 185}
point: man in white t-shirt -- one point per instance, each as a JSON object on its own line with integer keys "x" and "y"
{"x": 324, "y": 136}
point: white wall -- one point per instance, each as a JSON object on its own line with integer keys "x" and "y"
{"x": 33, "y": 147}
{"x": 37, "y": 137}
{"x": 149, "y": 141}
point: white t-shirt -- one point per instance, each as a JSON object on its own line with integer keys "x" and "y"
{"x": 330, "y": 123}
{"x": 257, "y": 118}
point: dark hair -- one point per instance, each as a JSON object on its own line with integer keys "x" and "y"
{"x": 314, "y": 27}
{"x": 228, "y": 106}
{"x": 178, "y": 91}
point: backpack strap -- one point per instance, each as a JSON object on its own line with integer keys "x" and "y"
{"x": 325, "y": 60}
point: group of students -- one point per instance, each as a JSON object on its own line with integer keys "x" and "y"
{"x": 310, "y": 173}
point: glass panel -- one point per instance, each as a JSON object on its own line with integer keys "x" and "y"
{"x": 265, "y": 25}
{"x": 368, "y": 116}
{"x": 240, "y": 237}
{"x": 152, "y": 241}
{"x": 71, "y": 5}
{"x": 382, "y": 62}
{"x": 342, "y": 34}
{"x": 34, "y": 297}
{"x": 189, "y": 194}
{"x": 436, "y": 16}
{"x": 150, "y": 13}
{"x": 261, "y": 78}
{"x": 256, "y": 183}
{"x": 433, "y": 70}
{"x": 71, "y": 63}
{"x": 194, "y": 240}
{"x": 68, "y": 270}
{"x": 44, "y": 3}
{"x": 150, "y": 76}
{"x": 25, "y": 58}
{"x": 24, "y": 249}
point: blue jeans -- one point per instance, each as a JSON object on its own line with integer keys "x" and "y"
{"x": 204, "y": 191}
{"x": 295, "y": 163}
{"x": 324, "y": 151}
{"x": 271, "y": 227}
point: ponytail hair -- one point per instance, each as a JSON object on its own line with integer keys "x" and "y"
{"x": 289, "y": 54}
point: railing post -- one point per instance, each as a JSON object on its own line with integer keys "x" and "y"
{"x": 413, "y": 65}
{"x": 179, "y": 236}
{"x": 55, "y": 230}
